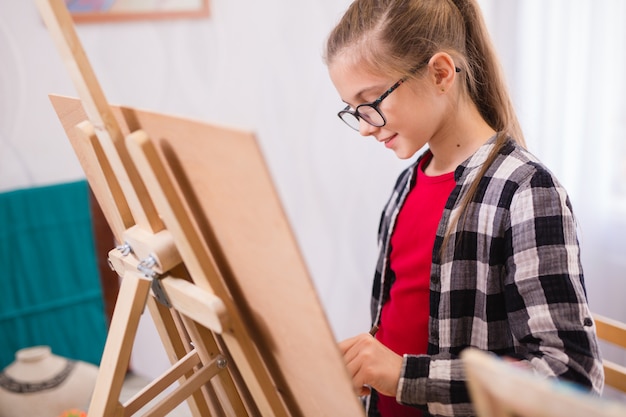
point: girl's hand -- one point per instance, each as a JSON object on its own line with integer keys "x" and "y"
{"x": 371, "y": 364}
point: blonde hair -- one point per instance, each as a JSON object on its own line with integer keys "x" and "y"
{"x": 393, "y": 37}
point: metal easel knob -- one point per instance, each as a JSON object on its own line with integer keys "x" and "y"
{"x": 124, "y": 249}
{"x": 145, "y": 267}
{"x": 221, "y": 362}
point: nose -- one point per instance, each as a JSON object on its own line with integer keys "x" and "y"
{"x": 366, "y": 129}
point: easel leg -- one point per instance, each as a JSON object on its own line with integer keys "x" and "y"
{"x": 222, "y": 387}
{"x": 117, "y": 350}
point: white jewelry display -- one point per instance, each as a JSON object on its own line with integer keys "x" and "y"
{"x": 41, "y": 384}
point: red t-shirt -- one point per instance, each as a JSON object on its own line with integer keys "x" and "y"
{"x": 404, "y": 319}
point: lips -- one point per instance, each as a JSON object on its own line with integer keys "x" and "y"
{"x": 388, "y": 141}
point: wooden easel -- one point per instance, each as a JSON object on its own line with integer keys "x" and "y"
{"x": 204, "y": 243}
{"x": 613, "y": 332}
{"x": 502, "y": 389}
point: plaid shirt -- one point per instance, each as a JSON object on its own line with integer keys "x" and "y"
{"x": 508, "y": 281}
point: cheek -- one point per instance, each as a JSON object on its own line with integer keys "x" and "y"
{"x": 416, "y": 121}
{"x": 423, "y": 117}
{"x": 418, "y": 125}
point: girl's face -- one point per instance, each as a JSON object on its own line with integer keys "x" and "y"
{"x": 413, "y": 112}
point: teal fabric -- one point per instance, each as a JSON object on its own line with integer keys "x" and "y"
{"x": 50, "y": 291}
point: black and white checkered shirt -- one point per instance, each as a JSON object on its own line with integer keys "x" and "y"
{"x": 509, "y": 281}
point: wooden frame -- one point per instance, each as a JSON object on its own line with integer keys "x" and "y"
{"x": 295, "y": 350}
{"x": 84, "y": 11}
{"x": 613, "y": 332}
{"x": 103, "y": 240}
{"x": 206, "y": 246}
{"x": 500, "y": 389}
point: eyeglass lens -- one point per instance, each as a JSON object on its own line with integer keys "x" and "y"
{"x": 367, "y": 112}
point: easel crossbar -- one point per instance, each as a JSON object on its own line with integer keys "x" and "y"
{"x": 185, "y": 389}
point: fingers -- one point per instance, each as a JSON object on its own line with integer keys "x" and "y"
{"x": 347, "y": 344}
{"x": 370, "y": 363}
{"x": 518, "y": 363}
{"x": 354, "y": 358}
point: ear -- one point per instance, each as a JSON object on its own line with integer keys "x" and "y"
{"x": 442, "y": 70}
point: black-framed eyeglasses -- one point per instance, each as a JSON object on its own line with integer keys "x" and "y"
{"x": 370, "y": 112}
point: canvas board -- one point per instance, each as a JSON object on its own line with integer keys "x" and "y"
{"x": 221, "y": 174}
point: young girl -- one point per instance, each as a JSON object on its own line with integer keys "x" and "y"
{"x": 478, "y": 242}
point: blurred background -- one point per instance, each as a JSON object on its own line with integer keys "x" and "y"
{"x": 257, "y": 65}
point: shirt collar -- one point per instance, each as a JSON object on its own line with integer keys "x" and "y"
{"x": 477, "y": 159}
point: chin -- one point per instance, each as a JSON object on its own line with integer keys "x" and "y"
{"x": 403, "y": 153}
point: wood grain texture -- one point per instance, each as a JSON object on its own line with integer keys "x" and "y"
{"x": 61, "y": 28}
{"x": 220, "y": 175}
{"x": 614, "y": 332}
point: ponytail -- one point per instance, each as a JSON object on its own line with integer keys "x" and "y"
{"x": 488, "y": 90}
{"x": 486, "y": 84}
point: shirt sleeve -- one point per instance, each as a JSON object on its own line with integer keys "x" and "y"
{"x": 437, "y": 381}
{"x": 545, "y": 296}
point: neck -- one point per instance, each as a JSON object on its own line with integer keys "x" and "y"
{"x": 35, "y": 364}
{"x": 458, "y": 139}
